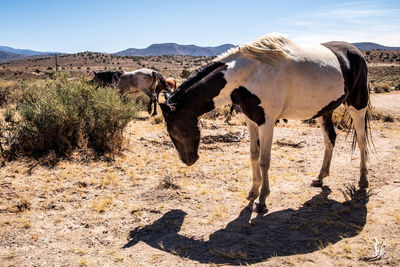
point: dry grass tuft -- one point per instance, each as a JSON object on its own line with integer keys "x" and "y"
{"x": 168, "y": 182}
{"x": 101, "y": 204}
{"x": 230, "y": 253}
{"x": 382, "y": 88}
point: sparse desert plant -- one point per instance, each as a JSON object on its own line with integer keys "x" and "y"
{"x": 341, "y": 118}
{"x": 5, "y": 90}
{"x": 382, "y": 88}
{"x": 60, "y": 115}
{"x": 185, "y": 73}
{"x": 397, "y": 85}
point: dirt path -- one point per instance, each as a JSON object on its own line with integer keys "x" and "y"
{"x": 387, "y": 103}
{"x": 147, "y": 209}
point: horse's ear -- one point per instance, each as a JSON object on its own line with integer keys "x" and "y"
{"x": 94, "y": 73}
{"x": 174, "y": 83}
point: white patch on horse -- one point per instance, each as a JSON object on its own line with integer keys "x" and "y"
{"x": 304, "y": 81}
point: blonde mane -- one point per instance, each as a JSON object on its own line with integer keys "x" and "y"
{"x": 267, "y": 49}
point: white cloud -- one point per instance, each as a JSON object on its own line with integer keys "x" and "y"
{"x": 352, "y": 22}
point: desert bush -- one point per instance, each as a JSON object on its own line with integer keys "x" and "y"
{"x": 397, "y": 85}
{"x": 5, "y": 91}
{"x": 185, "y": 73}
{"x": 218, "y": 112}
{"x": 382, "y": 88}
{"x": 341, "y": 118}
{"x": 60, "y": 115}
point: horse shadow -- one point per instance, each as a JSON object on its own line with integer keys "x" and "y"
{"x": 318, "y": 222}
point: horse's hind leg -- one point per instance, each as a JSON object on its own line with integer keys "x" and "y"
{"x": 254, "y": 157}
{"x": 359, "y": 121}
{"x": 328, "y": 130}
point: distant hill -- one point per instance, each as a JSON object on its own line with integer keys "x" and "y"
{"x": 25, "y": 52}
{"x": 8, "y": 56}
{"x": 175, "y": 49}
{"x": 8, "y": 53}
{"x": 373, "y": 46}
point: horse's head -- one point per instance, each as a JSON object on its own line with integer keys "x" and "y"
{"x": 184, "y": 132}
{"x": 171, "y": 82}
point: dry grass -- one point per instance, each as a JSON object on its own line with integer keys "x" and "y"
{"x": 101, "y": 204}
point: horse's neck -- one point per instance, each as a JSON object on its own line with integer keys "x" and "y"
{"x": 201, "y": 97}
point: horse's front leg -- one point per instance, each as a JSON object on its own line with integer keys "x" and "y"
{"x": 149, "y": 106}
{"x": 155, "y": 100}
{"x": 266, "y": 131}
{"x": 254, "y": 158}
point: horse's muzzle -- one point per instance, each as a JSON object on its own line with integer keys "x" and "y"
{"x": 190, "y": 159}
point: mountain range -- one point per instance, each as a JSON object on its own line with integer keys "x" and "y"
{"x": 175, "y": 49}
{"x": 9, "y": 53}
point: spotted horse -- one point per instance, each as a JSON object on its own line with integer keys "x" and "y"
{"x": 274, "y": 78}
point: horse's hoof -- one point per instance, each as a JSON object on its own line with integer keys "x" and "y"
{"x": 317, "y": 183}
{"x": 260, "y": 208}
{"x": 363, "y": 184}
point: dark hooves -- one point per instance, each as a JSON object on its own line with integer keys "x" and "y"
{"x": 363, "y": 184}
{"x": 317, "y": 183}
{"x": 260, "y": 209}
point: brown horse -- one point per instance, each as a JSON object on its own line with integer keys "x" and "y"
{"x": 148, "y": 81}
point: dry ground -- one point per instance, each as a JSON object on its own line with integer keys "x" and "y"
{"x": 148, "y": 209}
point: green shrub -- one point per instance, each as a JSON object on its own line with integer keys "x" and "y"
{"x": 60, "y": 115}
{"x": 185, "y": 73}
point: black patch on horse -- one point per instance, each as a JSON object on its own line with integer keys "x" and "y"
{"x": 355, "y": 73}
{"x": 331, "y": 106}
{"x": 328, "y": 127}
{"x": 249, "y": 104}
{"x": 192, "y": 80}
{"x": 197, "y": 93}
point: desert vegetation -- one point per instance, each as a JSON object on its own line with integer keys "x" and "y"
{"x": 59, "y": 115}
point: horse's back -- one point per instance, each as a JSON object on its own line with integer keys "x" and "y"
{"x": 141, "y": 79}
{"x": 301, "y": 86}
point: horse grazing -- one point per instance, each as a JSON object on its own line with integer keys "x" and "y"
{"x": 148, "y": 81}
{"x": 274, "y": 78}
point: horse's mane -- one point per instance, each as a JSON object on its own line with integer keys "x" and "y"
{"x": 196, "y": 77}
{"x": 267, "y": 49}
{"x": 161, "y": 81}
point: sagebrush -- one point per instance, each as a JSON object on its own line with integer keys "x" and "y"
{"x": 61, "y": 115}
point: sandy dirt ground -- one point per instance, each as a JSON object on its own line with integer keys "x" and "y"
{"x": 387, "y": 103}
{"x": 146, "y": 208}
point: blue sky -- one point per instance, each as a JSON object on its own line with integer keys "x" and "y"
{"x": 111, "y": 26}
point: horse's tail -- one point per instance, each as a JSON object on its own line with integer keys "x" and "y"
{"x": 161, "y": 80}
